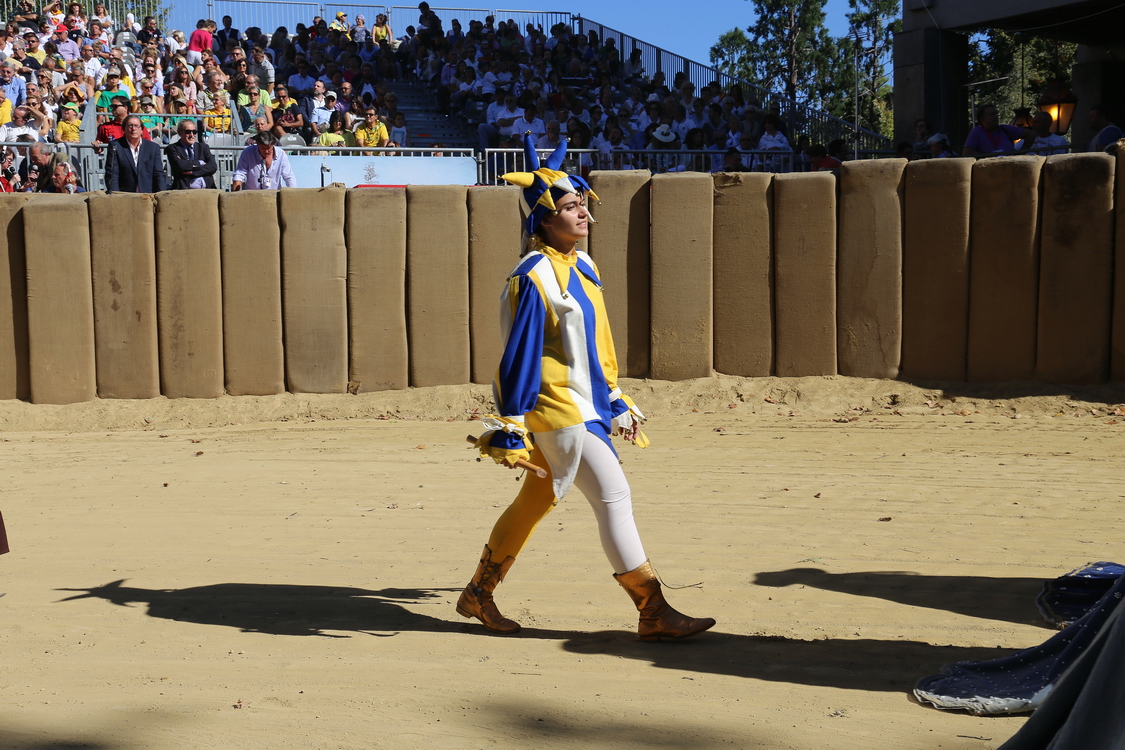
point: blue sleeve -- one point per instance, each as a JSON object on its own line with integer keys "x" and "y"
{"x": 517, "y": 381}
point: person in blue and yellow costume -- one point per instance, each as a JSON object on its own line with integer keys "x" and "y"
{"x": 558, "y": 404}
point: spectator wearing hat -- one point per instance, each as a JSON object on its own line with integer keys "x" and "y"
{"x": 939, "y": 147}
{"x": 190, "y": 159}
{"x": 664, "y": 139}
{"x": 263, "y": 166}
{"x": 340, "y": 23}
{"x": 112, "y": 88}
{"x": 133, "y": 163}
{"x": 150, "y": 116}
{"x": 67, "y": 48}
{"x": 69, "y": 129}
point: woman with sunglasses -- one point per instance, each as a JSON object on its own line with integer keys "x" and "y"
{"x": 255, "y": 110}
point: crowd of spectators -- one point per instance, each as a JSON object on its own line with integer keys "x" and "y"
{"x": 331, "y": 84}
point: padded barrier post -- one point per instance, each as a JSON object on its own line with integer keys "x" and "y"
{"x": 620, "y": 245}
{"x": 14, "y": 377}
{"x": 743, "y": 236}
{"x": 314, "y": 267}
{"x": 437, "y": 268}
{"x": 60, "y": 301}
{"x": 250, "y": 244}
{"x": 189, "y": 293}
{"x": 804, "y": 231}
{"x": 935, "y": 269}
{"x": 494, "y": 250}
{"x": 123, "y": 261}
{"x": 376, "y": 223}
{"x": 1117, "y": 348}
{"x": 683, "y": 332}
{"x": 869, "y": 269}
{"x": 1004, "y": 269}
{"x": 1076, "y": 269}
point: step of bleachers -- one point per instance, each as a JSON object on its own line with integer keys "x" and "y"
{"x": 426, "y": 124}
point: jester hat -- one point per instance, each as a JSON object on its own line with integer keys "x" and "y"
{"x": 542, "y": 186}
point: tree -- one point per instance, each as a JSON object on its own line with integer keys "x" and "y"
{"x": 873, "y": 26}
{"x": 787, "y": 49}
{"x": 1023, "y": 64}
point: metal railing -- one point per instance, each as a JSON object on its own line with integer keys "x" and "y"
{"x": 498, "y": 161}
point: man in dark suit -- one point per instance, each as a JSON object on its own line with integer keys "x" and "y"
{"x": 133, "y": 164}
{"x": 191, "y": 161}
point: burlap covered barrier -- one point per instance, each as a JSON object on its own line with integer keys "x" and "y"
{"x": 1004, "y": 269}
{"x": 1075, "y": 269}
{"x": 314, "y": 267}
{"x": 619, "y": 244}
{"x": 804, "y": 248}
{"x": 743, "y": 275}
{"x": 869, "y": 269}
{"x": 189, "y": 293}
{"x": 1117, "y": 348}
{"x": 683, "y": 335}
{"x": 250, "y": 246}
{"x": 14, "y": 378}
{"x": 123, "y": 262}
{"x": 60, "y": 302}
{"x": 494, "y": 250}
{"x": 437, "y": 269}
{"x": 376, "y": 233}
{"x": 935, "y": 269}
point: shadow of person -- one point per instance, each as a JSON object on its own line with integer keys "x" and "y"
{"x": 860, "y": 664}
{"x": 283, "y": 609}
{"x": 1006, "y": 599}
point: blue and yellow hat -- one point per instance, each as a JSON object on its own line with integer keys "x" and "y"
{"x": 542, "y": 186}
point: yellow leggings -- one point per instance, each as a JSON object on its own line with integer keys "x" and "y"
{"x": 535, "y": 500}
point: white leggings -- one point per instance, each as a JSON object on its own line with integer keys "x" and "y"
{"x": 602, "y": 481}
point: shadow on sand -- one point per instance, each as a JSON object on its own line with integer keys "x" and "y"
{"x": 280, "y": 609}
{"x": 1005, "y": 599}
{"x": 335, "y": 611}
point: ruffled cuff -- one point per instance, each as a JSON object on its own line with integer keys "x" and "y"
{"x": 506, "y": 439}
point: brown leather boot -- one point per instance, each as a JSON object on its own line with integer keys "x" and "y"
{"x": 658, "y": 619}
{"x": 476, "y": 599}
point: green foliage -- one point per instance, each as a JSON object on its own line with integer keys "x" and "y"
{"x": 788, "y": 49}
{"x": 1026, "y": 64}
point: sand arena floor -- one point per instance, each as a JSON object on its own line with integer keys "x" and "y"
{"x": 280, "y": 572}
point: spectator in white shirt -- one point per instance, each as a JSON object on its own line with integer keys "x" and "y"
{"x": 1047, "y": 143}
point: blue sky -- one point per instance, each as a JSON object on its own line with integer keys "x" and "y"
{"x": 665, "y": 24}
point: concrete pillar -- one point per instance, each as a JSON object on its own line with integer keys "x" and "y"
{"x": 931, "y": 66}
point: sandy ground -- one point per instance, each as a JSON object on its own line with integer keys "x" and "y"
{"x": 280, "y": 572}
